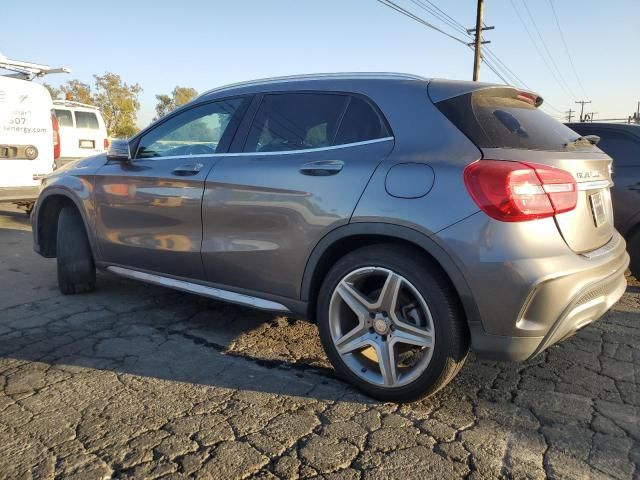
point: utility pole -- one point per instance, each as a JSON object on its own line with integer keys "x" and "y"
{"x": 477, "y": 57}
{"x": 582, "y": 104}
{"x": 570, "y": 115}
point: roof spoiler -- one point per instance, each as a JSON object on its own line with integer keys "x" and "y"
{"x": 440, "y": 90}
{"x": 27, "y": 70}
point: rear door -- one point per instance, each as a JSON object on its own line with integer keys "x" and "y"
{"x": 149, "y": 209}
{"x": 507, "y": 124}
{"x": 305, "y": 162}
{"x": 90, "y": 137}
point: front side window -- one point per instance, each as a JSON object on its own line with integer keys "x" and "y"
{"x": 87, "y": 120}
{"x": 64, "y": 117}
{"x": 197, "y": 131}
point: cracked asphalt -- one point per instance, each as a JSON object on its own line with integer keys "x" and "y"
{"x": 135, "y": 381}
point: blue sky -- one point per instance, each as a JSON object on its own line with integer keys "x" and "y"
{"x": 204, "y": 44}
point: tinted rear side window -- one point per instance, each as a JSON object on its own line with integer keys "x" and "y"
{"x": 501, "y": 118}
{"x": 64, "y": 118}
{"x": 86, "y": 120}
{"x": 296, "y": 121}
{"x": 360, "y": 123}
{"x": 624, "y": 149}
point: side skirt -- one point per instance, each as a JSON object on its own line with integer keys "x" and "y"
{"x": 202, "y": 290}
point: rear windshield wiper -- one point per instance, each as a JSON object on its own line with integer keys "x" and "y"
{"x": 592, "y": 139}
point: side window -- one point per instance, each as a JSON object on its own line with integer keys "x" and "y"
{"x": 86, "y": 120}
{"x": 296, "y": 121}
{"x": 197, "y": 131}
{"x": 624, "y": 149}
{"x": 360, "y": 123}
{"x": 64, "y": 117}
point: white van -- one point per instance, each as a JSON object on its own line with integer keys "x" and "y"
{"x": 82, "y": 131}
{"x": 29, "y": 137}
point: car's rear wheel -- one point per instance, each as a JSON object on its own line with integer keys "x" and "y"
{"x": 390, "y": 323}
{"x": 76, "y": 268}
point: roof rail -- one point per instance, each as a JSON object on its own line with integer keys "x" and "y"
{"x": 315, "y": 76}
{"x": 27, "y": 70}
{"x": 71, "y": 103}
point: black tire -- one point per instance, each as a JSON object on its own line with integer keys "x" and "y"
{"x": 633, "y": 247}
{"x": 76, "y": 268}
{"x": 451, "y": 332}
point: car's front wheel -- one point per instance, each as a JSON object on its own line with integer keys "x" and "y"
{"x": 76, "y": 268}
{"x": 390, "y": 323}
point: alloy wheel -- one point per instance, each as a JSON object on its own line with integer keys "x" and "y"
{"x": 381, "y": 326}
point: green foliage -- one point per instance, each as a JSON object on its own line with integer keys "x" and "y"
{"x": 77, "y": 91}
{"x": 119, "y": 104}
{"x": 117, "y": 100}
{"x": 53, "y": 91}
{"x": 179, "y": 96}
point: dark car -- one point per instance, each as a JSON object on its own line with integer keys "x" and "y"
{"x": 411, "y": 218}
{"x": 622, "y": 143}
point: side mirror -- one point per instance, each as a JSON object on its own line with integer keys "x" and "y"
{"x": 119, "y": 150}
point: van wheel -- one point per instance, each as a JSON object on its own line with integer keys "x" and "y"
{"x": 76, "y": 268}
{"x": 633, "y": 247}
{"x": 390, "y": 324}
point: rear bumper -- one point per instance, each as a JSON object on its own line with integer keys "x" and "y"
{"x": 529, "y": 289}
{"x": 587, "y": 306}
{"x": 62, "y": 161}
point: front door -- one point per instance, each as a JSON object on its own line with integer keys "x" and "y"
{"x": 306, "y": 160}
{"x": 149, "y": 209}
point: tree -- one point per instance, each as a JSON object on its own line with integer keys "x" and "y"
{"x": 119, "y": 104}
{"x": 179, "y": 96}
{"x": 55, "y": 92}
{"x": 77, "y": 91}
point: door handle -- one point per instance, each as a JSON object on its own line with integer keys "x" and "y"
{"x": 187, "y": 169}
{"x": 322, "y": 168}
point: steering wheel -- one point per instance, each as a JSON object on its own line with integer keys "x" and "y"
{"x": 198, "y": 149}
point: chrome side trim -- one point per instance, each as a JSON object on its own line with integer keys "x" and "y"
{"x": 284, "y": 152}
{"x": 210, "y": 292}
{"x": 595, "y": 184}
{"x": 314, "y": 76}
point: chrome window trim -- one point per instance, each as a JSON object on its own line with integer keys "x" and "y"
{"x": 608, "y": 247}
{"x": 198, "y": 289}
{"x": 283, "y": 152}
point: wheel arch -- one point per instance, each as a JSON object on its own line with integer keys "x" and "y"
{"x": 45, "y": 220}
{"x": 355, "y": 235}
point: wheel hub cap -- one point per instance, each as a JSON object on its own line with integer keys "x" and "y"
{"x": 381, "y": 326}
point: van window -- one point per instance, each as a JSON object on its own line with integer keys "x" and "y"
{"x": 296, "y": 121}
{"x": 64, "y": 117}
{"x": 87, "y": 120}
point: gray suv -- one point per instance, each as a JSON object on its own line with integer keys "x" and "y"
{"x": 412, "y": 219}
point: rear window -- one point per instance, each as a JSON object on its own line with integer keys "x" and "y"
{"x": 86, "y": 120}
{"x": 501, "y": 118}
{"x": 64, "y": 118}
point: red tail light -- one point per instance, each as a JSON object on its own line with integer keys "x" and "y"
{"x": 106, "y": 144}
{"x": 56, "y": 137}
{"x": 517, "y": 191}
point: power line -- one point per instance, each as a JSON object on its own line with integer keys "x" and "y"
{"x": 535, "y": 44}
{"x": 407, "y": 13}
{"x": 566, "y": 49}
{"x": 444, "y": 19}
{"x": 544, "y": 44}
